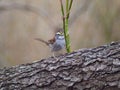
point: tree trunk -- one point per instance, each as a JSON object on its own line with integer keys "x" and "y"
{"x": 86, "y": 69}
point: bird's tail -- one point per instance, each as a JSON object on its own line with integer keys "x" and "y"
{"x": 41, "y": 40}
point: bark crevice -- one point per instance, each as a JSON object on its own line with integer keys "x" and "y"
{"x": 85, "y": 69}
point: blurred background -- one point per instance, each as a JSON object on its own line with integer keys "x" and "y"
{"x": 92, "y": 23}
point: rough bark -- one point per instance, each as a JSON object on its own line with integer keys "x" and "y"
{"x": 86, "y": 69}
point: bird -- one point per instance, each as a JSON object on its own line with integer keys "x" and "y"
{"x": 56, "y": 44}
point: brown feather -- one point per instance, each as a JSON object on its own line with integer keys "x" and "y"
{"x": 51, "y": 41}
{"x": 43, "y": 41}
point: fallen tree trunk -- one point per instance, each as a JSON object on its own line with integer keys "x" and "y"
{"x": 86, "y": 69}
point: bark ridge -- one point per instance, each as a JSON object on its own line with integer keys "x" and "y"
{"x": 85, "y": 69}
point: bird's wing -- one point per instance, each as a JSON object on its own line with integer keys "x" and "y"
{"x": 41, "y": 40}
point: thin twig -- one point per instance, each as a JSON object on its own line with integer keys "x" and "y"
{"x": 62, "y": 8}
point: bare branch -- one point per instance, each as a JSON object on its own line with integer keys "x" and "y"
{"x": 86, "y": 69}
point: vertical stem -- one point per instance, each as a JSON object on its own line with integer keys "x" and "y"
{"x": 65, "y": 22}
{"x": 66, "y": 34}
{"x": 67, "y": 5}
{"x": 62, "y": 8}
{"x": 70, "y": 4}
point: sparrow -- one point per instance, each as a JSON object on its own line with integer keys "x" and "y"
{"x": 56, "y": 44}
